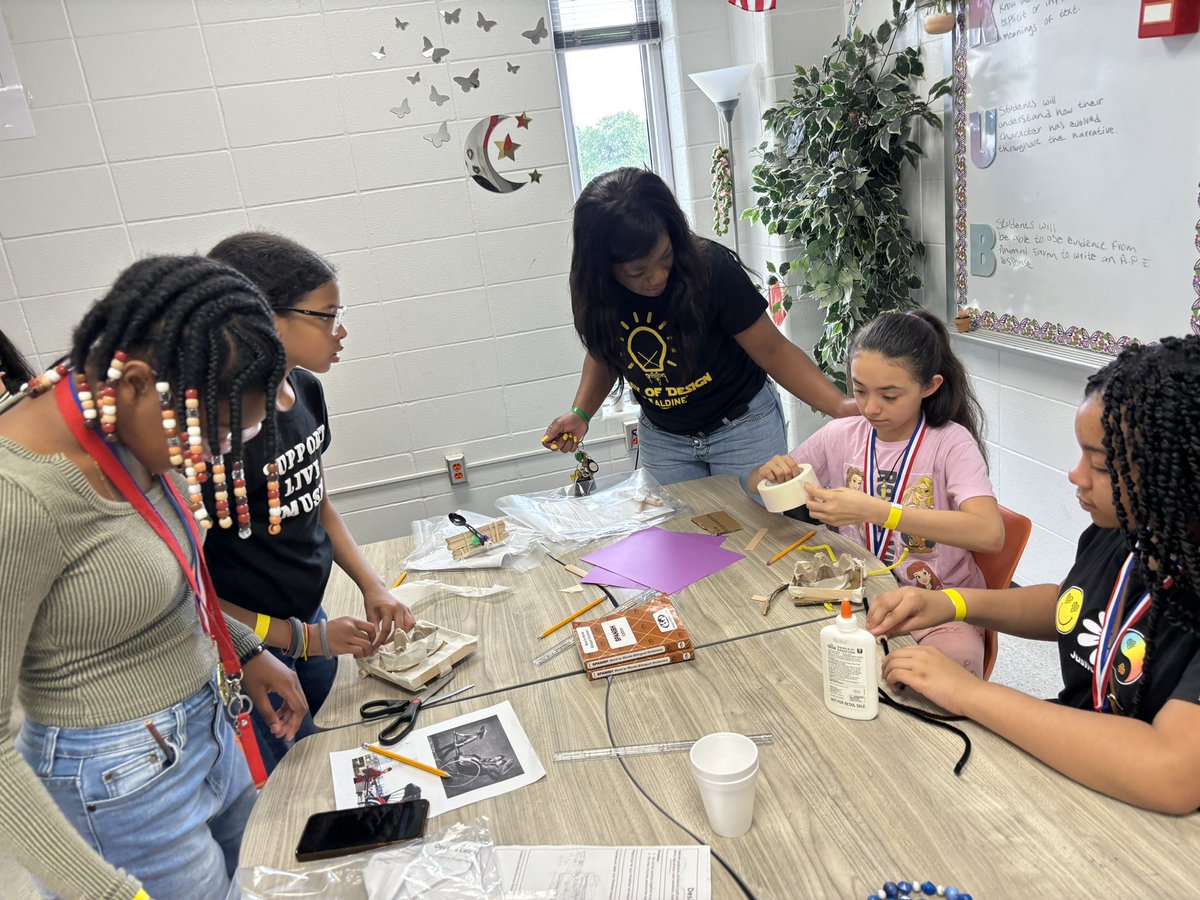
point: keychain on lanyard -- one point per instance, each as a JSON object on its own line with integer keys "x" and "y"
{"x": 879, "y": 537}
{"x": 195, "y": 570}
{"x": 1111, "y": 636}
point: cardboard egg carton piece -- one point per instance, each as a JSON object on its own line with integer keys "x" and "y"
{"x": 817, "y": 579}
{"x": 416, "y": 658}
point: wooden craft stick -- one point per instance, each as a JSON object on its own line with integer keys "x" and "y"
{"x": 574, "y": 615}
{"x": 575, "y": 570}
{"x": 782, "y": 553}
{"x": 408, "y": 762}
{"x": 762, "y": 533}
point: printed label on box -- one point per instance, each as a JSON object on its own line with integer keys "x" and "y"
{"x": 665, "y": 621}
{"x": 618, "y": 633}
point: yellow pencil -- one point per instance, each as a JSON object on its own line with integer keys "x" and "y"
{"x": 400, "y": 580}
{"x": 408, "y": 762}
{"x": 574, "y": 615}
{"x": 782, "y": 553}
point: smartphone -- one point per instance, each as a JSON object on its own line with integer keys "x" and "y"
{"x": 345, "y": 831}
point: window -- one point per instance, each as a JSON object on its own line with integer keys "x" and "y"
{"x": 610, "y": 71}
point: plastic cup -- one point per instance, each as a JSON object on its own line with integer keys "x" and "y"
{"x": 725, "y": 767}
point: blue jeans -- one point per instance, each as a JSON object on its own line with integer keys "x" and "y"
{"x": 316, "y": 676}
{"x": 735, "y": 448}
{"x": 175, "y": 825}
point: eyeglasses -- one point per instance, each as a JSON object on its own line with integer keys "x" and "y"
{"x": 336, "y": 318}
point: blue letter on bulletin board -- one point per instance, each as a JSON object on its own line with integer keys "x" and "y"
{"x": 983, "y": 260}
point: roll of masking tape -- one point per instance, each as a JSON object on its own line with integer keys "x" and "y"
{"x": 789, "y": 494}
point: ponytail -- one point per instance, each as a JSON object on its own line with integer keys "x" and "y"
{"x": 920, "y": 342}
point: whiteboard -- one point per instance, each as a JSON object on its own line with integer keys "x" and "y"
{"x": 1076, "y": 160}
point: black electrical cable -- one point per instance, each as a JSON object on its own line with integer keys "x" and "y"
{"x": 933, "y": 719}
{"x": 612, "y": 741}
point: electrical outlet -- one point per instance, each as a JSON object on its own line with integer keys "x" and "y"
{"x": 456, "y": 468}
{"x": 631, "y": 440}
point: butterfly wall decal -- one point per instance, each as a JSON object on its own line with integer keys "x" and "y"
{"x": 437, "y": 98}
{"x": 452, "y": 17}
{"x": 402, "y": 110}
{"x": 440, "y": 136}
{"x": 378, "y": 54}
{"x": 414, "y": 79}
{"x": 484, "y": 23}
{"x": 471, "y": 81}
{"x": 538, "y": 32}
{"x": 512, "y": 69}
{"x": 437, "y": 54}
{"x": 401, "y": 25}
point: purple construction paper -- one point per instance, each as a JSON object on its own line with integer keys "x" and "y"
{"x": 665, "y": 560}
{"x": 610, "y": 579}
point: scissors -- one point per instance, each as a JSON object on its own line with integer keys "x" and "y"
{"x": 404, "y": 711}
{"x": 461, "y": 522}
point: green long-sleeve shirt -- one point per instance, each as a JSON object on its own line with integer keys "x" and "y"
{"x": 98, "y": 626}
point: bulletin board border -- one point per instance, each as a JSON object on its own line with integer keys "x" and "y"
{"x": 1059, "y": 334}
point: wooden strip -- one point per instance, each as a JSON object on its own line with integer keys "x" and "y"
{"x": 762, "y": 533}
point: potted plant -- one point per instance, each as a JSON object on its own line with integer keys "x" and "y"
{"x": 939, "y": 19}
{"x": 829, "y": 181}
{"x": 963, "y": 320}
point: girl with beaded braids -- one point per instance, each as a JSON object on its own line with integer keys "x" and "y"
{"x": 1127, "y": 616}
{"x": 275, "y": 584}
{"x": 107, "y": 614}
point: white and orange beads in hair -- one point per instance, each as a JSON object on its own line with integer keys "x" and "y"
{"x": 170, "y": 425}
{"x": 220, "y": 494}
{"x": 191, "y": 404}
{"x": 274, "y": 510}
{"x": 108, "y": 396}
{"x": 42, "y": 383}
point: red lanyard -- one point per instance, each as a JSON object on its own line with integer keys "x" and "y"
{"x": 195, "y": 570}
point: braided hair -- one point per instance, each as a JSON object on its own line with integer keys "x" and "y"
{"x": 1151, "y": 420}
{"x": 16, "y": 370}
{"x": 201, "y": 325}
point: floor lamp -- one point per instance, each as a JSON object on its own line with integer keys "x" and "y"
{"x": 723, "y": 87}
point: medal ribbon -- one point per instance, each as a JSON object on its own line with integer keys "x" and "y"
{"x": 878, "y": 538}
{"x": 1112, "y": 633}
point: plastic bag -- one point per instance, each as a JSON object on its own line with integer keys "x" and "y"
{"x": 617, "y": 505}
{"x": 519, "y": 551}
{"x": 456, "y": 863}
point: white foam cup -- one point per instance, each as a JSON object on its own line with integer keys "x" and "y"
{"x": 725, "y": 767}
{"x": 788, "y": 494}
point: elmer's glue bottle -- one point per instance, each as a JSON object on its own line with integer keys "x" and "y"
{"x": 849, "y": 668}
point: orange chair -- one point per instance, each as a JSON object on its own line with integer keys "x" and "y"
{"x": 998, "y": 569}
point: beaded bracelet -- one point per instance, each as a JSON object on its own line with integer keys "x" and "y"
{"x": 903, "y": 890}
{"x": 251, "y": 653}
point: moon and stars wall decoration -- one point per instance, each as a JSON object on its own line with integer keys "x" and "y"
{"x": 479, "y": 164}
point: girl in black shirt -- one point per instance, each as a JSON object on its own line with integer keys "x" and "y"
{"x": 1126, "y": 618}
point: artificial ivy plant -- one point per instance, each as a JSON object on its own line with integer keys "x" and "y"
{"x": 829, "y": 181}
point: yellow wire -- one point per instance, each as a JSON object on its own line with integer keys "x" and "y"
{"x": 892, "y": 566}
{"x": 817, "y": 547}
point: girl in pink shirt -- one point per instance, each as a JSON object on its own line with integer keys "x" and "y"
{"x": 909, "y": 479}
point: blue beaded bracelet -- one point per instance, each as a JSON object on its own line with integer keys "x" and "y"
{"x": 906, "y": 890}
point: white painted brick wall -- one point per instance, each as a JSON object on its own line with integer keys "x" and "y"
{"x": 165, "y": 125}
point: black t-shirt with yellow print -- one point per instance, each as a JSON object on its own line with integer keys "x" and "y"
{"x": 1079, "y": 618}
{"x": 686, "y": 403}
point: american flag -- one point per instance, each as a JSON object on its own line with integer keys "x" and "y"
{"x": 754, "y": 5}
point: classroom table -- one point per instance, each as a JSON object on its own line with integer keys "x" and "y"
{"x": 509, "y": 625}
{"x": 841, "y": 807}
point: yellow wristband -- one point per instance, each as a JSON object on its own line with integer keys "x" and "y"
{"x": 141, "y": 895}
{"x": 960, "y": 605}
{"x": 261, "y": 624}
{"x": 893, "y": 519}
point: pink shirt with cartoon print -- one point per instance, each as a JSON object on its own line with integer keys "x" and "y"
{"x": 947, "y": 470}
